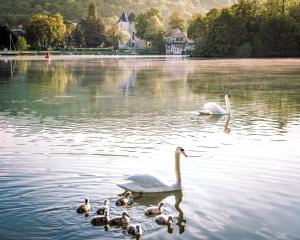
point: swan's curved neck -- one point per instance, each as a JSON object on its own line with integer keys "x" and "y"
{"x": 177, "y": 169}
{"x": 227, "y": 104}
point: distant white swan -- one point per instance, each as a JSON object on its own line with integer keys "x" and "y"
{"x": 149, "y": 184}
{"x": 212, "y": 108}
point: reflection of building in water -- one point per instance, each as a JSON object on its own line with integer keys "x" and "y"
{"x": 127, "y": 84}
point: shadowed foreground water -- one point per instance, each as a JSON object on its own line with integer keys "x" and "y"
{"x": 76, "y": 128}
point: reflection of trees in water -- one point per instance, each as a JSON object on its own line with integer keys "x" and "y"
{"x": 11, "y": 69}
{"x": 161, "y": 78}
{"x": 257, "y": 92}
{"x": 51, "y": 78}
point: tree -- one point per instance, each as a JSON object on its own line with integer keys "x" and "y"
{"x": 116, "y": 35}
{"x": 142, "y": 21}
{"x": 21, "y": 44}
{"x": 7, "y": 37}
{"x": 249, "y": 28}
{"x": 176, "y": 20}
{"x": 57, "y": 30}
{"x": 70, "y": 28}
{"x": 38, "y": 31}
{"x": 197, "y": 27}
{"x": 154, "y": 27}
{"x": 92, "y": 12}
{"x": 93, "y": 31}
{"x": 14, "y": 12}
{"x": 155, "y": 34}
{"x": 90, "y": 32}
{"x": 44, "y": 31}
{"x": 78, "y": 37}
{"x": 279, "y": 36}
{"x": 150, "y": 28}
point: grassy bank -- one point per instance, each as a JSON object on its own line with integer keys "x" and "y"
{"x": 79, "y": 51}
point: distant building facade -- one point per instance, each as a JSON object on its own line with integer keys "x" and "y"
{"x": 126, "y": 23}
{"x": 177, "y": 42}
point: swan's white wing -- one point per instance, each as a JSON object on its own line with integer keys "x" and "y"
{"x": 133, "y": 187}
{"x": 213, "y": 108}
{"x": 146, "y": 181}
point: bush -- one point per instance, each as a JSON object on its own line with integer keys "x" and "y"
{"x": 21, "y": 44}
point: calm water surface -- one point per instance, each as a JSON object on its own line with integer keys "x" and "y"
{"x": 72, "y": 128}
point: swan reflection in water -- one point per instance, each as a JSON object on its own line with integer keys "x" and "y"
{"x": 211, "y": 119}
{"x": 147, "y": 199}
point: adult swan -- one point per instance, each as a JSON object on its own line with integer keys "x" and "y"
{"x": 212, "y": 108}
{"x": 149, "y": 184}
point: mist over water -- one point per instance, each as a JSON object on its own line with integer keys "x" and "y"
{"x": 72, "y": 128}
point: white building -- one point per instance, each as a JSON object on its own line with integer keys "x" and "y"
{"x": 127, "y": 24}
{"x": 177, "y": 42}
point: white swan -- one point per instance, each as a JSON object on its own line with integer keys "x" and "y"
{"x": 149, "y": 184}
{"x": 211, "y": 108}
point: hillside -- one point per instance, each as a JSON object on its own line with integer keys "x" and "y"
{"x": 14, "y": 12}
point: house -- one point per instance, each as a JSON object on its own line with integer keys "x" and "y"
{"x": 177, "y": 42}
{"x": 126, "y": 23}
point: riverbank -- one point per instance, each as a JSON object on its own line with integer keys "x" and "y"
{"x": 90, "y": 56}
{"x": 79, "y": 51}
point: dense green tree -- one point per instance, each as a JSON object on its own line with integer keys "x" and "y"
{"x": 57, "y": 30}
{"x": 197, "y": 27}
{"x": 155, "y": 34}
{"x": 150, "y": 28}
{"x": 116, "y": 35}
{"x": 176, "y": 20}
{"x": 44, "y": 31}
{"x": 142, "y": 21}
{"x": 279, "y": 36}
{"x": 78, "y": 37}
{"x": 14, "y": 12}
{"x": 70, "y": 29}
{"x": 21, "y": 44}
{"x": 93, "y": 31}
{"x": 154, "y": 27}
{"x": 248, "y": 28}
{"x": 38, "y": 31}
{"x": 90, "y": 32}
{"x": 7, "y": 38}
{"x": 92, "y": 12}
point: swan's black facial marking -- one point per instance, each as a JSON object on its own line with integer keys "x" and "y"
{"x": 181, "y": 149}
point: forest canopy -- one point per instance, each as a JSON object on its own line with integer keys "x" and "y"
{"x": 14, "y": 12}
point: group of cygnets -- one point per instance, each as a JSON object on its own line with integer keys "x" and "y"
{"x": 103, "y": 218}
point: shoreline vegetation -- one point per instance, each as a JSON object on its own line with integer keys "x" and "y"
{"x": 100, "y": 53}
{"x": 246, "y": 29}
{"x": 92, "y": 51}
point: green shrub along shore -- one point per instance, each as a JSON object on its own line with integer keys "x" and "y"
{"x": 248, "y": 28}
{"x": 96, "y": 51}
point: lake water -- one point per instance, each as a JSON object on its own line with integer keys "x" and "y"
{"x": 72, "y": 128}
